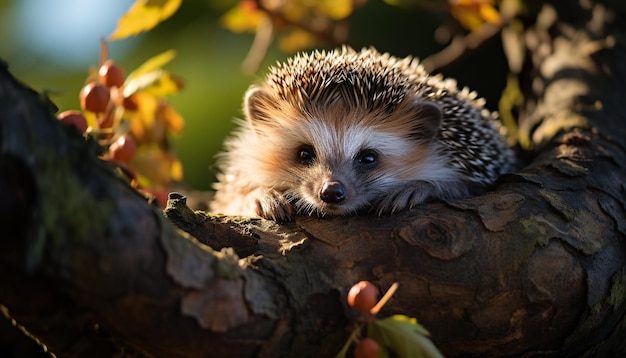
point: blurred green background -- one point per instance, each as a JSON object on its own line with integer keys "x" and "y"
{"x": 50, "y": 44}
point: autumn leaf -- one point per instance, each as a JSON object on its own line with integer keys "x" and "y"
{"x": 171, "y": 118}
{"x": 296, "y": 40}
{"x": 148, "y": 73}
{"x": 336, "y": 9}
{"x": 156, "y": 168}
{"x": 153, "y": 63}
{"x": 472, "y": 14}
{"x": 176, "y": 169}
{"x": 245, "y": 17}
{"x": 159, "y": 83}
{"x": 143, "y": 124}
{"x": 143, "y": 16}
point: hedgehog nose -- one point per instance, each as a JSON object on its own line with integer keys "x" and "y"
{"x": 333, "y": 192}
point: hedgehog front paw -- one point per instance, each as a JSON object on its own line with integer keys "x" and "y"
{"x": 404, "y": 197}
{"x": 274, "y": 206}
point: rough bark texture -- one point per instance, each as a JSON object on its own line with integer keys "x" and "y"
{"x": 533, "y": 268}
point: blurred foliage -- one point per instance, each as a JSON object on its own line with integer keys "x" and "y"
{"x": 130, "y": 116}
{"x": 300, "y": 24}
{"x": 144, "y": 16}
{"x": 210, "y": 55}
{"x": 472, "y": 14}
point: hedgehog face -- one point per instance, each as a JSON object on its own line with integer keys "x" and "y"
{"x": 340, "y": 171}
{"x": 338, "y": 159}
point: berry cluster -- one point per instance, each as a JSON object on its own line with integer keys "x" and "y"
{"x": 101, "y": 97}
{"x": 131, "y": 119}
{"x": 374, "y": 337}
{"x": 363, "y": 297}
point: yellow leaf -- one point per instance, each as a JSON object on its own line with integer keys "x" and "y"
{"x": 472, "y": 14}
{"x": 153, "y": 166}
{"x": 490, "y": 14}
{"x": 173, "y": 121}
{"x": 142, "y": 120}
{"x": 336, "y": 9}
{"x": 165, "y": 85}
{"x": 297, "y": 40}
{"x": 150, "y": 65}
{"x": 467, "y": 19}
{"x": 245, "y": 17}
{"x": 143, "y": 16}
{"x": 176, "y": 169}
{"x": 158, "y": 83}
{"x": 92, "y": 119}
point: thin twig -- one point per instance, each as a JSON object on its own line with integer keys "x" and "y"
{"x": 261, "y": 44}
{"x": 385, "y": 298}
{"x": 460, "y": 46}
{"x": 265, "y": 35}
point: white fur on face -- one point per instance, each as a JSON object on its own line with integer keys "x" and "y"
{"x": 267, "y": 158}
{"x": 343, "y": 144}
{"x": 336, "y": 150}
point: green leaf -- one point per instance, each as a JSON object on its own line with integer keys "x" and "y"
{"x": 344, "y": 350}
{"x": 404, "y": 336}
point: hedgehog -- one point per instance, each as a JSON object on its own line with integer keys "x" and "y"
{"x": 345, "y": 132}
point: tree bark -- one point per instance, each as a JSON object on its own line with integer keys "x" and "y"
{"x": 535, "y": 267}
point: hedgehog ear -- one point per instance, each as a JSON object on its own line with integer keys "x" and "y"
{"x": 257, "y": 105}
{"x": 427, "y": 119}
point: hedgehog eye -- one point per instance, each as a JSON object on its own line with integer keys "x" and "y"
{"x": 367, "y": 157}
{"x": 306, "y": 155}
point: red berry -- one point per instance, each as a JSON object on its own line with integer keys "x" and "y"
{"x": 73, "y": 118}
{"x": 366, "y": 348}
{"x": 363, "y": 296}
{"x": 94, "y": 97}
{"x": 123, "y": 149}
{"x": 130, "y": 103}
{"x": 111, "y": 75}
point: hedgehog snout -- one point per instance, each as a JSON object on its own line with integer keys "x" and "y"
{"x": 333, "y": 192}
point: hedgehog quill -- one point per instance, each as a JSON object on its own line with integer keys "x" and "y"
{"x": 346, "y": 132}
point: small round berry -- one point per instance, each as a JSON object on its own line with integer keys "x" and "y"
{"x": 123, "y": 149}
{"x": 363, "y": 296}
{"x": 94, "y": 97}
{"x": 366, "y": 348}
{"x": 130, "y": 103}
{"x": 73, "y": 118}
{"x": 111, "y": 75}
